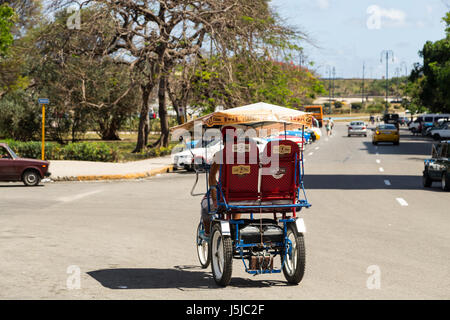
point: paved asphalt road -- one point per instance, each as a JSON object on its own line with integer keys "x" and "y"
{"x": 135, "y": 239}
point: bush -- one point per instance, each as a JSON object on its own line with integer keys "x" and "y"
{"x": 83, "y": 151}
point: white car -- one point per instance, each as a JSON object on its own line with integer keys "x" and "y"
{"x": 357, "y": 128}
{"x": 188, "y": 158}
{"x": 441, "y": 133}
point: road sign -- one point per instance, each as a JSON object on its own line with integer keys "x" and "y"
{"x": 44, "y": 101}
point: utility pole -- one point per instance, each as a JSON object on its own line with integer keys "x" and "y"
{"x": 387, "y": 53}
{"x": 329, "y": 88}
{"x": 334, "y": 77}
{"x": 362, "y": 97}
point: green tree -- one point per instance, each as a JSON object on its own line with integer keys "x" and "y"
{"x": 6, "y": 22}
{"x": 433, "y": 76}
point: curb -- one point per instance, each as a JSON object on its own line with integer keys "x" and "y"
{"x": 128, "y": 176}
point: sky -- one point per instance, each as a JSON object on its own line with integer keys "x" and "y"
{"x": 346, "y": 34}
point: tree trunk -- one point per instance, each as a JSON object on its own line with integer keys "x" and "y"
{"x": 144, "y": 119}
{"x": 164, "y": 142}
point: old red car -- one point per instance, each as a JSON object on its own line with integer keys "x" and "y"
{"x": 14, "y": 168}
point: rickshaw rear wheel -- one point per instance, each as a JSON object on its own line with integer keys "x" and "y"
{"x": 221, "y": 252}
{"x": 294, "y": 266}
{"x": 203, "y": 251}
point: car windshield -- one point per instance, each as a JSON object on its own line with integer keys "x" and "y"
{"x": 387, "y": 127}
{"x": 6, "y": 153}
{"x": 13, "y": 154}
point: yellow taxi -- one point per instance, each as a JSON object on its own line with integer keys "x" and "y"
{"x": 386, "y": 133}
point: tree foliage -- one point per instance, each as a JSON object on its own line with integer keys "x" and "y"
{"x": 432, "y": 78}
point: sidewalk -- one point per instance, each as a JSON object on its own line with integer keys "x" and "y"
{"x": 88, "y": 171}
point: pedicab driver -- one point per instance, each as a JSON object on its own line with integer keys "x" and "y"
{"x": 228, "y": 134}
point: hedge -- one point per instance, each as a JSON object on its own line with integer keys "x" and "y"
{"x": 84, "y": 151}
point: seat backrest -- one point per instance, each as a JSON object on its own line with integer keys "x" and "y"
{"x": 240, "y": 170}
{"x": 280, "y": 170}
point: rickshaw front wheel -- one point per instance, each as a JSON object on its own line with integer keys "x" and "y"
{"x": 221, "y": 256}
{"x": 202, "y": 247}
{"x": 294, "y": 265}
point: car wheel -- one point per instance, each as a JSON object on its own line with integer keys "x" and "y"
{"x": 426, "y": 180}
{"x": 31, "y": 178}
{"x": 396, "y": 143}
{"x": 436, "y": 136}
{"x": 349, "y": 135}
{"x": 374, "y": 143}
{"x": 445, "y": 182}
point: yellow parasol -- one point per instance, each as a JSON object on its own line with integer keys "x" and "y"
{"x": 251, "y": 115}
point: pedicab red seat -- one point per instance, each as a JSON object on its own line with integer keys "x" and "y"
{"x": 280, "y": 174}
{"x": 240, "y": 174}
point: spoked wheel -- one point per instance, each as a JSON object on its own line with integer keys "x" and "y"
{"x": 294, "y": 266}
{"x": 221, "y": 257}
{"x": 202, "y": 247}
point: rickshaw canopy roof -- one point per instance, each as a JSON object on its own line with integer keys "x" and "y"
{"x": 251, "y": 115}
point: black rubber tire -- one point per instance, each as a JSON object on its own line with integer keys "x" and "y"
{"x": 31, "y": 178}
{"x": 295, "y": 276}
{"x": 224, "y": 278}
{"x": 349, "y": 135}
{"x": 426, "y": 180}
{"x": 445, "y": 181}
{"x": 396, "y": 143}
{"x": 436, "y": 137}
{"x": 374, "y": 143}
{"x": 204, "y": 264}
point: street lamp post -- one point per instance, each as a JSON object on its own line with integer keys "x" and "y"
{"x": 387, "y": 53}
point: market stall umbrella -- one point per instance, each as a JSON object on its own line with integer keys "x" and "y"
{"x": 253, "y": 115}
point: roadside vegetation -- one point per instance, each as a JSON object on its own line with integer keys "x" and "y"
{"x": 105, "y": 72}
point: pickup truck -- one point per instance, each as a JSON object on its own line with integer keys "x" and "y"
{"x": 14, "y": 168}
{"x": 438, "y": 167}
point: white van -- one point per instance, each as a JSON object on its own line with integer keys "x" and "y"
{"x": 427, "y": 120}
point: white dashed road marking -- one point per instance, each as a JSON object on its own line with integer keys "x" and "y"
{"x": 378, "y": 161}
{"x": 402, "y": 202}
{"x": 387, "y": 182}
{"x": 381, "y": 169}
{"x": 317, "y": 148}
{"x": 310, "y": 154}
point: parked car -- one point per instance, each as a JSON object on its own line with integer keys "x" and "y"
{"x": 426, "y": 120}
{"x": 191, "y": 157}
{"x": 299, "y": 133}
{"x": 440, "y": 133}
{"x": 437, "y": 125}
{"x": 438, "y": 167}
{"x": 14, "y": 168}
{"x": 298, "y": 140}
{"x": 357, "y": 128}
{"x": 386, "y": 133}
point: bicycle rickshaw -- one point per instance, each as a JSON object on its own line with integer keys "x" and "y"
{"x": 267, "y": 190}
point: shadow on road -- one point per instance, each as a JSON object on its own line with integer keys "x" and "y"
{"x": 364, "y": 182}
{"x": 180, "y": 277}
{"x": 410, "y": 147}
{"x": 19, "y": 186}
